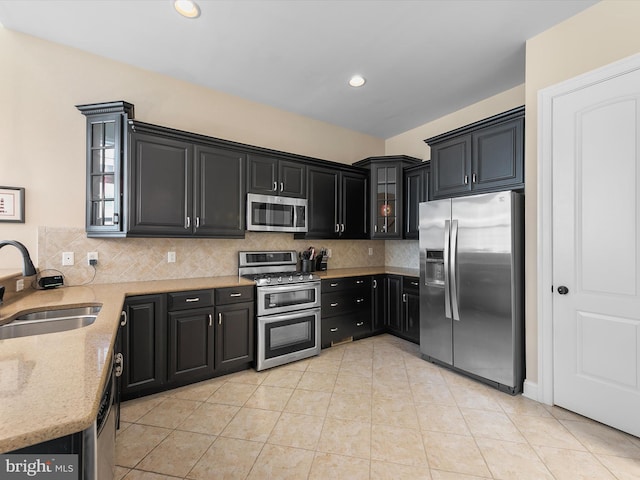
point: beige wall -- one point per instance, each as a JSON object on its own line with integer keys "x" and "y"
{"x": 42, "y": 139}
{"x": 602, "y": 34}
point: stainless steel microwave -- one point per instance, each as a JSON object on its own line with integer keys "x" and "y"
{"x": 269, "y": 213}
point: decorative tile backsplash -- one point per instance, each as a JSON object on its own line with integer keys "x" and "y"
{"x": 133, "y": 259}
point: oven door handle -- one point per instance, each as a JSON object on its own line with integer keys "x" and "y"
{"x": 290, "y": 287}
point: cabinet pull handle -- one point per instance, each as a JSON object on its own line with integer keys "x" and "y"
{"x": 188, "y": 223}
{"x": 334, "y": 304}
{"x": 359, "y": 282}
{"x": 404, "y": 298}
{"x": 275, "y": 186}
{"x": 415, "y": 284}
{"x": 474, "y": 178}
{"x": 375, "y": 283}
{"x": 334, "y": 329}
{"x": 342, "y": 228}
{"x": 466, "y": 179}
{"x": 360, "y": 300}
{"x": 124, "y": 317}
{"x": 119, "y": 361}
{"x": 191, "y": 300}
{"x": 197, "y": 222}
{"x": 375, "y": 228}
{"x": 333, "y": 284}
{"x": 235, "y": 294}
{"x": 359, "y": 324}
{"x": 337, "y": 228}
{"x": 220, "y": 318}
{"x": 210, "y": 320}
{"x": 116, "y": 218}
{"x": 281, "y": 186}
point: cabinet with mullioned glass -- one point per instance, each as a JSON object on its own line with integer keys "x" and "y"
{"x": 106, "y": 142}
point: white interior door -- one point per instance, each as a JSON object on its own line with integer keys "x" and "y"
{"x": 596, "y": 238}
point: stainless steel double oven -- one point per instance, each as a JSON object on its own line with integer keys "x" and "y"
{"x": 288, "y": 307}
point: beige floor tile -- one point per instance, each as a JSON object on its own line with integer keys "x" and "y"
{"x": 177, "y": 453}
{"x": 393, "y": 471}
{"x": 397, "y": 445}
{"x": 133, "y": 410}
{"x": 297, "y": 430}
{"x": 318, "y": 381}
{"x": 324, "y": 365}
{"x": 623, "y": 468}
{"x": 119, "y": 472}
{"x": 299, "y": 365}
{"x": 509, "y": 460}
{"x": 269, "y": 398}
{"x": 308, "y": 402}
{"x": 279, "y": 377}
{"x": 251, "y": 424}
{"x": 455, "y": 453}
{"x": 362, "y": 368}
{"x": 395, "y": 412}
{"x": 142, "y": 475}
{"x": 328, "y": 466}
{"x": 198, "y": 391}
{"x": 441, "y": 418}
{"x": 209, "y": 418}
{"x": 170, "y": 413}
{"x": 479, "y": 398}
{"x": 601, "y": 439}
{"x": 345, "y": 437}
{"x": 442, "y": 475}
{"x": 432, "y": 393}
{"x": 233, "y": 393}
{"x": 136, "y": 442}
{"x": 489, "y": 424}
{"x": 397, "y": 389}
{"x": 227, "y": 459}
{"x": 249, "y": 376}
{"x": 562, "y": 414}
{"x": 350, "y": 407}
{"x": 282, "y": 463}
{"x": 570, "y": 464}
{"x": 547, "y": 432}
{"x": 353, "y": 384}
{"x": 334, "y": 353}
{"x": 390, "y": 373}
{"x": 519, "y": 405}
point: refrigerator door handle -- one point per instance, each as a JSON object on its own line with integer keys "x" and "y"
{"x": 447, "y": 296}
{"x": 454, "y": 267}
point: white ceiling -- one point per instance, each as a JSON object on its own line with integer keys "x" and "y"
{"x": 422, "y": 58}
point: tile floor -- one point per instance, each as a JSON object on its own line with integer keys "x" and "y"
{"x": 371, "y": 409}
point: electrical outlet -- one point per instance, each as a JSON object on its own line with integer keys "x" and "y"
{"x": 20, "y": 285}
{"x": 171, "y": 257}
{"x": 370, "y": 251}
{"x": 92, "y": 258}
{"x": 67, "y": 258}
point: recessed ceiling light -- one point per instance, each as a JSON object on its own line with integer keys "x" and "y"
{"x": 187, "y": 8}
{"x": 357, "y": 81}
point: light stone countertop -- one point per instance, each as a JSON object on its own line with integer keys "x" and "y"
{"x": 50, "y": 385}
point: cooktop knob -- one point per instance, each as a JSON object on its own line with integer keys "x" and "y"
{"x": 279, "y": 279}
{"x": 291, "y": 278}
{"x": 300, "y": 277}
{"x": 268, "y": 279}
{"x": 310, "y": 276}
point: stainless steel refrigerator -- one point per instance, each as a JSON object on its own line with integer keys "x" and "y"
{"x": 471, "y": 286}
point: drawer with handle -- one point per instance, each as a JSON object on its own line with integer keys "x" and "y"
{"x": 227, "y": 295}
{"x": 339, "y": 303}
{"x": 345, "y": 283}
{"x": 191, "y": 299}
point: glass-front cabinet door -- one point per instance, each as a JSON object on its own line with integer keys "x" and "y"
{"x": 386, "y": 184}
{"x": 106, "y": 140}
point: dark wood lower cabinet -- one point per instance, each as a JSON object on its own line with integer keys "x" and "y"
{"x": 235, "y": 327}
{"x": 393, "y": 303}
{"x": 173, "y": 339}
{"x": 143, "y": 330}
{"x": 191, "y": 345}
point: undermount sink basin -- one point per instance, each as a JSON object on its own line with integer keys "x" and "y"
{"x": 49, "y": 321}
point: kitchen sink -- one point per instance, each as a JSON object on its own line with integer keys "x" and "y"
{"x": 49, "y": 321}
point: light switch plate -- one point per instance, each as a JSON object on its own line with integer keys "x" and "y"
{"x": 171, "y": 257}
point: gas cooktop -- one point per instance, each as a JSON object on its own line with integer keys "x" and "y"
{"x": 272, "y": 268}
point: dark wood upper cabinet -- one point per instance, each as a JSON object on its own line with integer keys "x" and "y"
{"x": 482, "y": 157}
{"x": 416, "y": 190}
{"x": 337, "y": 203}
{"x": 274, "y": 176}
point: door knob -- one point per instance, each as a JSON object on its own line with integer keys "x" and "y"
{"x": 562, "y": 290}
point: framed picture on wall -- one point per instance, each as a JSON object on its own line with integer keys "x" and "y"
{"x": 12, "y": 204}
